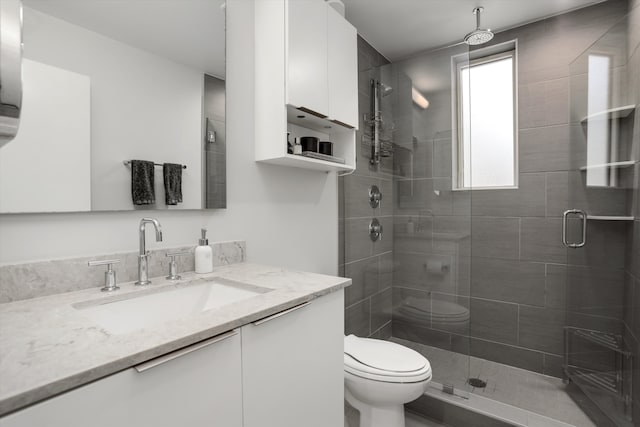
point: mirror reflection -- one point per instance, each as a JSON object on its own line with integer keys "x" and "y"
{"x": 123, "y": 108}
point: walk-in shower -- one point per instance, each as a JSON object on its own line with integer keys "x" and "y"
{"x": 530, "y": 289}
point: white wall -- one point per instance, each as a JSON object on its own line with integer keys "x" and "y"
{"x": 287, "y": 216}
{"x": 143, "y": 106}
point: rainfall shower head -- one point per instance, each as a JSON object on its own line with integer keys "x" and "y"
{"x": 479, "y": 35}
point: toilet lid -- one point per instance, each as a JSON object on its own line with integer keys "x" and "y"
{"x": 383, "y": 357}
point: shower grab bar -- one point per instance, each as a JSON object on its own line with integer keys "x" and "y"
{"x": 565, "y": 217}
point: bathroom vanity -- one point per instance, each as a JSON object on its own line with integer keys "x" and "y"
{"x": 169, "y": 354}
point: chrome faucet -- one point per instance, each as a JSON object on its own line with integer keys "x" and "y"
{"x": 143, "y": 256}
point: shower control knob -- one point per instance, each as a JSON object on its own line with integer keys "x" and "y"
{"x": 375, "y": 196}
{"x": 375, "y": 230}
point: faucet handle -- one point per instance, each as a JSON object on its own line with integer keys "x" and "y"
{"x": 109, "y": 275}
{"x": 173, "y": 266}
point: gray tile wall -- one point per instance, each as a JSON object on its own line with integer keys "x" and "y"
{"x": 369, "y": 264}
{"x": 499, "y": 252}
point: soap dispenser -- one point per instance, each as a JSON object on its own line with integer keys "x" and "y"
{"x": 204, "y": 254}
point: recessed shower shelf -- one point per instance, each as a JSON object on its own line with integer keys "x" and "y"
{"x": 611, "y": 114}
{"x": 618, "y": 165}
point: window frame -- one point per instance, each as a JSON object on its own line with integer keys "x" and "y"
{"x": 458, "y": 63}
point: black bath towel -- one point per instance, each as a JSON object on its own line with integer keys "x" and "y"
{"x": 172, "y": 183}
{"x": 142, "y": 182}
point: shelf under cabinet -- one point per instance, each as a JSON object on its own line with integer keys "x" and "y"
{"x": 308, "y": 163}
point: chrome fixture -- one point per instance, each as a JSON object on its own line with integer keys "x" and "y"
{"x": 375, "y": 196}
{"x": 173, "y": 266}
{"x": 375, "y": 230}
{"x": 374, "y": 142}
{"x": 110, "y": 283}
{"x": 10, "y": 68}
{"x": 565, "y": 217}
{"x": 479, "y": 35}
{"x": 143, "y": 256}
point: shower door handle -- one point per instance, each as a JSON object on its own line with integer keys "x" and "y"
{"x": 565, "y": 218}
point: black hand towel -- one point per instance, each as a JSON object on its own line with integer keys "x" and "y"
{"x": 142, "y": 182}
{"x": 172, "y": 183}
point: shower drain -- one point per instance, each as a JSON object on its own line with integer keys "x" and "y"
{"x": 477, "y": 383}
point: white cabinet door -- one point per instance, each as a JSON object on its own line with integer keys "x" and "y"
{"x": 306, "y": 47}
{"x": 198, "y": 386}
{"x": 292, "y": 366}
{"x": 343, "y": 69}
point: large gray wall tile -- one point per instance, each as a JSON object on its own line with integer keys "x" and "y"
{"x": 595, "y": 291}
{"x": 356, "y": 196}
{"x": 357, "y": 319}
{"x": 545, "y": 149}
{"x": 494, "y": 321}
{"x": 381, "y": 305}
{"x": 555, "y": 286}
{"x": 495, "y": 237}
{"x": 605, "y": 245}
{"x": 442, "y": 158}
{"x": 529, "y": 199}
{"x": 507, "y": 354}
{"x": 541, "y": 240}
{"x": 364, "y": 276}
{"x": 357, "y": 243}
{"x": 541, "y": 329}
{"x": 507, "y": 280}
{"x": 544, "y": 103}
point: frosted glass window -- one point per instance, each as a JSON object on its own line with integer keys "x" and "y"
{"x": 486, "y": 128}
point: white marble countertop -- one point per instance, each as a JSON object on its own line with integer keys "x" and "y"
{"x": 47, "y": 346}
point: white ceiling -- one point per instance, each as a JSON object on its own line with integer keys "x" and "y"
{"x": 191, "y": 32}
{"x": 401, "y": 28}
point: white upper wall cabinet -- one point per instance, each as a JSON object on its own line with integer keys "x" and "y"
{"x": 307, "y": 75}
{"x": 306, "y": 82}
{"x": 342, "y": 69}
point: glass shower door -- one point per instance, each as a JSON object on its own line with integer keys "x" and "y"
{"x": 598, "y": 228}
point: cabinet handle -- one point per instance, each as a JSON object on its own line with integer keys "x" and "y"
{"x": 282, "y": 313}
{"x": 179, "y": 353}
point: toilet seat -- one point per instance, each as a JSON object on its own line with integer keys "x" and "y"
{"x": 384, "y": 361}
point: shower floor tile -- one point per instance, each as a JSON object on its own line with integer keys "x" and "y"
{"x": 524, "y": 389}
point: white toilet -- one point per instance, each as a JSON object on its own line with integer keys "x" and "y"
{"x": 380, "y": 377}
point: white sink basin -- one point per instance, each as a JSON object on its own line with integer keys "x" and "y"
{"x": 155, "y": 306}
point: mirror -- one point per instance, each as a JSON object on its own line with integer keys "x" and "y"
{"x": 10, "y": 69}
{"x": 111, "y": 81}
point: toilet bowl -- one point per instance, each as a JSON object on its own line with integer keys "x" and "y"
{"x": 380, "y": 377}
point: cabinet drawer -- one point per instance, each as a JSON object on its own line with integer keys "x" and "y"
{"x": 196, "y": 386}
